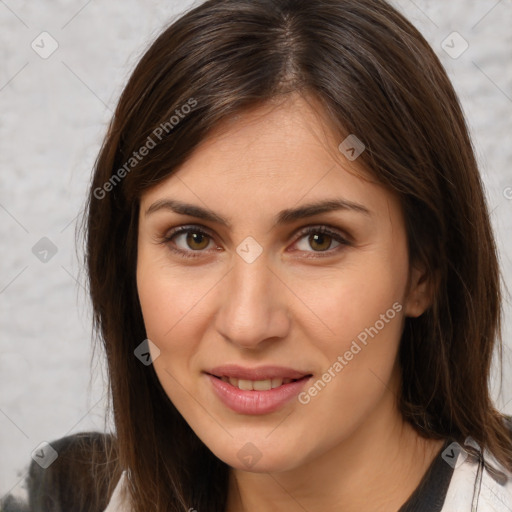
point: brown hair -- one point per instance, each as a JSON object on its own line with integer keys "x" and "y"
{"x": 376, "y": 77}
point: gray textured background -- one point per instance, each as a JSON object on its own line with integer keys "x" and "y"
{"x": 53, "y": 116}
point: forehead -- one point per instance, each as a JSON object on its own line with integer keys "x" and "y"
{"x": 271, "y": 139}
{"x": 274, "y": 156}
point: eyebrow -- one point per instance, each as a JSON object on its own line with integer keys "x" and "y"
{"x": 283, "y": 217}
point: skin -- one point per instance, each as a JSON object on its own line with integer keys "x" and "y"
{"x": 300, "y": 304}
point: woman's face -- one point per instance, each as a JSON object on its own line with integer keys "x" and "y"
{"x": 287, "y": 267}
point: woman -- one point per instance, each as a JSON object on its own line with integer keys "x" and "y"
{"x": 293, "y": 270}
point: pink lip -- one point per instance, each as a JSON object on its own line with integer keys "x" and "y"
{"x": 256, "y": 402}
{"x": 261, "y": 373}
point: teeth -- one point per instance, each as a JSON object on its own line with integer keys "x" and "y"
{"x": 262, "y": 385}
{"x": 245, "y": 385}
{"x": 257, "y": 385}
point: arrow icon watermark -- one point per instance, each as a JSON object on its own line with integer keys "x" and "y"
{"x": 44, "y": 250}
{"x": 147, "y": 352}
{"x": 351, "y": 147}
{"x": 249, "y": 455}
{"x": 249, "y": 249}
{"x": 44, "y": 455}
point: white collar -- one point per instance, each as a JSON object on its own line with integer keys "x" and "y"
{"x": 472, "y": 487}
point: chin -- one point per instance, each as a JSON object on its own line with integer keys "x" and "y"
{"x": 258, "y": 456}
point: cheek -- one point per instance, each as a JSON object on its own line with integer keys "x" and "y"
{"x": 366, "y": 320}
{"x": 347, "y": 303}
{"x": 362, "y": 306}
{"x": 169, "y": 317}
{"x": 174, "y": 307}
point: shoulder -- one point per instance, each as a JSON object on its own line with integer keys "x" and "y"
{"x": 479, "y": 482}
{"x": 80, "y": 475}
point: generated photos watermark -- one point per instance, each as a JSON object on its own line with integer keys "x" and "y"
{"x": 156, "y": 136}
{"x": 343, "y": 360}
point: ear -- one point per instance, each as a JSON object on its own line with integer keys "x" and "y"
{"x": 421, "y": 290}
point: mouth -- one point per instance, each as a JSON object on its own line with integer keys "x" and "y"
{"x": 256, "y": 390}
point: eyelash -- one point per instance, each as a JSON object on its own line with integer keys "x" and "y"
{"x": 199, "y": 230}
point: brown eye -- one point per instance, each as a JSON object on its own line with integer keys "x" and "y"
{"x": 188, "y": 241}
{"x": 197, "y": 240}
{"x": 320, "y": 241}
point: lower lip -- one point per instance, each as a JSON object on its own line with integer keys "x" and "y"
{"x": 256, "y": 402}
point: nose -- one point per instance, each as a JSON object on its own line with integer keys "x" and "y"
{"x": 253, "y": 308}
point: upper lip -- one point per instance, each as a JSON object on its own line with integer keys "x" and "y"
{"x": 259, "y": 373}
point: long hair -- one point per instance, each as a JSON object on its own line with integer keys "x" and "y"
{"x": 375, "y": 76}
